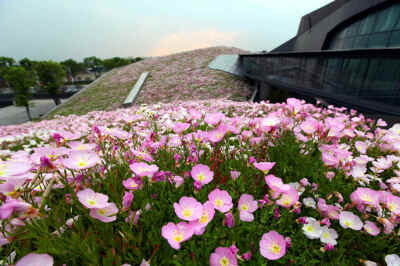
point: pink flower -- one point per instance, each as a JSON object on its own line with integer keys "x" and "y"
{"x": 206, "y": 217}
{"x": 188, "y": 209}
{"x": 180, "y": 127}
{"x": 361, "y": 147}
{"x": 276, "y": 184}
{"x": 176, "y": 233}
{"x": 34, "y": 259}
{"x": 214, "y": 119}
{"x": 81, "y": 146}
{"x": 288, "y": 198}
{"x": 310, "y": 125}
{"x": 272, "y": 245}
{"x": 127, "y": 199}
{"x": 229, "y": 220}
{"x": 350, "y": 220}
{"x": 392, "y": 203}
{"x": 221, "y": 199}
{"x": 91, "y": 199}
{"x": 264, "y": 166}
{"x": 371, "y": 228}
{"x": 387, "y": 225}
{"x": 223, "y": 257}
{"x": 365, "y": 196}
{"x": 216, "y": 135}
{"x": 246, "y": 256}
{"x": 13, "y": 168}
{"x": 247, "y": 205}
{"x": 106, "y": 214}
{"x": 235, "y": 174}
{"x": 131, "y": 183}
{"x": 13, "y": 205}
{"x": 178, "y": 181}
{"x": 143, "y": 169}
{"x": 79, "y": 160}
{"x": 202, "y": 174}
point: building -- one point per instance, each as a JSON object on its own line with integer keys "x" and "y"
{"x": 347, "y": 52}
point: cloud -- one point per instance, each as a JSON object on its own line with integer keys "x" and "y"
{"x": 189, "y": 40}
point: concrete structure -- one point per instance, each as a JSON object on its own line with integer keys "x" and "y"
{"x": 347, "y": 52}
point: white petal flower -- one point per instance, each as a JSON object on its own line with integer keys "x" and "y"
{"x": 328, "y": 236}
{"x": 309, "y": 202}
{"x": 312, "y": 229}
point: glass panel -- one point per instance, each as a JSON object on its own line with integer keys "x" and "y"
{"x": 367, "y": 24}
{"x": 353, "y": 29}
{"x": 378, "y": 40}
{"x": 387, "y": 18}
{"x": 357, "y": 74}
{"x": 348, "y": 43}
{"x": 360, "y": 42}
{"x": 395, "y": 39}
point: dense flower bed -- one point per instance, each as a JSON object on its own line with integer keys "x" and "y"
{"x": 177, "y": 77}
{"x": 194, "y": 183}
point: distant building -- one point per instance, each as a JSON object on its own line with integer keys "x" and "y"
{"x": 347, "y": 52}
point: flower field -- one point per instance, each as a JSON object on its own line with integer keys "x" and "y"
{"x": 176, "y": 77}
{"x": 202, "y": 183}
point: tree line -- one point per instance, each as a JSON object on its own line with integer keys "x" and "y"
{"x": 50, "y": 75}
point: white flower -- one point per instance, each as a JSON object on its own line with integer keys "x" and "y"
{"x": 350, "y": 220}
{"x": 392, "y": 260}
{"x": 328, "y": 236}
{"x": 298, "y": 187}
{"x": 312, "y": 229}
{"x": 309, "y": 202}
{"x": 369, "y": 263}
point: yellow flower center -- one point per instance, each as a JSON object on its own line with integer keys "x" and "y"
{"x": 325, "y": 235}
{"x": 224, "y": 261}
{"x": 91, "y": 202}
{"x": 187, "y": 213}
{"x": 244, "y": 207}
{"x": 82, "y": 163}
{"x": 101, "y": 211}
{"x": 366, "y": 198}
{"x": 80, "y": 147}
{"x": 200, "y": 177}
{"x": 178, "y": 236}
{"x": 2, "y": 172}
{"x": 309, "y": 228}
{"x": 218, "y": 202}
{"x": 132, "y": 184}
{"x": 275, "y": 248}
{"x": 204, "y": 219}
{"x": 392, "y": 207}
{"x": 347, "y": 223}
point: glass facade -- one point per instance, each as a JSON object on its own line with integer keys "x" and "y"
{"x": 356, "y": 79}
{"x": 378, "y": 29}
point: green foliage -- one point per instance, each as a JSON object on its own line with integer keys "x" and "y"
{"x": 51, "y": 76}
{"x": 73, "y": 67}
{"x": 20, "y": 80}
{"x": 114, "y": 62}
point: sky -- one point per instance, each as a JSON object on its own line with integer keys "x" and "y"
{"x": 61, "y": 29}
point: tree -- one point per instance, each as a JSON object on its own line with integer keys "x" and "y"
{"x": 94, "y": 64}
{"x": 27, "y": 64}
{"x": 114, "y": 62}
{"x": 73, "y": 67}
{"x": 51, "y": 76}
{"x": 5, "y": 63}
{"x": 20, "y": 81}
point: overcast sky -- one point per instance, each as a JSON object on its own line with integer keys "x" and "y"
{"x": 61, "y": 29}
